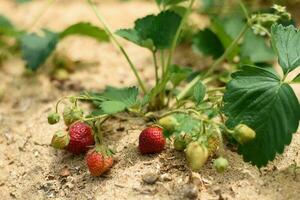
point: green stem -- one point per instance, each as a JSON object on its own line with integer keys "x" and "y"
{"x": 189, "y": 86}
{"x": 218, "y": 89}
{"x": 244, "y": 9}
{"x": 109, "y": 32}
{"x": 155, "y": 66}
{"x": 58, "y": 102}
{"x": 184, "y": 92}
{"x": 227, "y": 52}
{"x": 94, "y": 118}
{"x": 174, "y": 43}
{"x": 40, "y": 14}
{"x": 162, "y": 60}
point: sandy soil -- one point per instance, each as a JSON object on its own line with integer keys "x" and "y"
{"x": 31, "y": 169}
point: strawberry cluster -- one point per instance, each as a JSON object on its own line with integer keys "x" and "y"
{"x": 80, "y": 137}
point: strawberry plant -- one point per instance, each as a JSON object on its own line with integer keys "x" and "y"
{"x": 37, "y": 48}
{"x": 255, "y": 110}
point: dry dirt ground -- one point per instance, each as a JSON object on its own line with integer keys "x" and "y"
{"x": 31, "y": 169}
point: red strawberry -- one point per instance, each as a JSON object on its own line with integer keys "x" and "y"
{"x": 81, "y": 137}
{"x": 95, "y": 163}
{"x": 108, "y": 162}
{"x": 151, "y": 140}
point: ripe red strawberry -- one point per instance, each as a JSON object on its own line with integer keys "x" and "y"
{"x": 108, "y": 162}
{"x": 81, "y": 137}
{"x": 151, "y": 140}
{"x": 95, "y": 163}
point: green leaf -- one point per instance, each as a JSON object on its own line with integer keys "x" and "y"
{"x": 5, "y": 22}
{"x": 35, "y": 49}
{"x": 286, "y": 42}
{"x": 169, "y": 2}
{"x": 6, "y": 27}
{"x": 153, "y": 31}
{"x": 85, "y": 29}
{"x": 218, "y": 27}
{"x": 22, "y": 1}
{"x": 178, "y": 74}
{"x": 256, "y": 49}
{"x": 133, "y": 36}
{"x": 126, "y": 95}
{"x": 207, "y": 43}
{"x": 187, "y": 124}
{"x": 296, "y": 79}
{"x": 113, "y": 107}
{"x": 199, "y": 92}
{"x": 114, "y": 100}
{"x": 258, "y": 98}
{"x": 233, "y": 24}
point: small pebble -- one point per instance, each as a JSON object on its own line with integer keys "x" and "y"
{"x": 190, "y": 191}
{"x": 165, "y": 177}
{"x": 64, "y": 172}
{"x": 150, "y": 178}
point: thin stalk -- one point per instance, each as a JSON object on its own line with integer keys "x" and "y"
{"x": 218, "y": 89}
{"x": 187, "y": 89}
{"x": 189, "y": 86}
{"x": 94, "y": 118}
{"x": 244, "y": 9}
{"x": 40, "y": 14}
{"x": 162, "y": 60}
{"x": 155, "y": 66}
{"x": 109, "y": 32}
{"x": 174, "y": 43}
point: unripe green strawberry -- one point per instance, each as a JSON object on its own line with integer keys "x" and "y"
{"x": 72, "y": 115}
{"x": 243, "y": 133}
{"x": 53, "y": 118}
{"x": 168, "y": 122}
{"x": 221, "y": 164}
{"x": 179, "y": 144}
{"x": 196, "y": 155}
{"x": 60, "y": 140}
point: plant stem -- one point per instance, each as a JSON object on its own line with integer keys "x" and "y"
{"x": 40, "y": 14}
{"x": 244, "y": 9}
{"x": 96, "y": 117}
{"x": 155, "y": 66}
{"x": 58, "y": 102}
{"x": 109, "y": 32}
{"x": 162, "y": 60}
{"x": 175, "y": 40}
{"x": 218, "y": 89}
{"x": 189, "y": 86}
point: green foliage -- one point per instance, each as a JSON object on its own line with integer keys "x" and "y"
{"x": 258, "y": 98}
{"x": 6, "y": 27}
{"x": 35, "y": 49}
{"x": 286, "y": 41}
{"x": 169, "y": 2}
{"x": 256, "y": 49}
{"x": 112, "y": 107}
{"x": 114, "y": 100}
{"x": 296, "y": 79}
{"x": 199, "y": 92}
{"x": 153, "y": 32}
{"x": 219, "y": 28}
{"x": 22, "y": 1}
{"x": 215, "y": 39}
{"x": 207, "y": 42}
{"x": 85, "y": 29}
{"x": 178, "y": 74}
{"x": 187, "y": 124}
